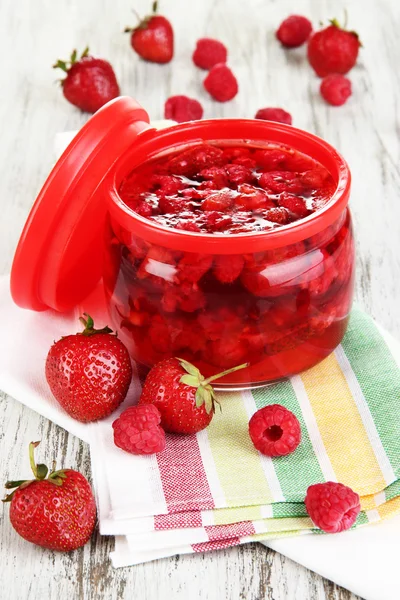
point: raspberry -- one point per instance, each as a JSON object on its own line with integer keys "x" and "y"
{"x": 221, "y": 323}
{"x": 144, "y": 209}
{"x": 172, "y": 205}
{"x": 275, "y": 431}
{"x": 294, "y": 204}
{"x": 333, "y": 50}
{"x": 335, "y": 89}
{"x": 217, "y": 175}
{"x": 188, "y": 226}
{"x": 209, "y": 53}
{"x": 281, "y": 181}
{"x": 217, "y": 221}
{"x": 314, "y": 179}
{"x": 245, "y": 161}
{"x": 221, "y": 83}
{"x": 294, "y": 31}
{"x": 186, "y": 333}
{"x": 137, "y": 430}
{"x": 252, "y": 198}
{"x": 220, "y": 200}
{"x": 320, "y": 283}
{"x": 227, "y": 268}
{"x": 333, "y": 507}
{"x": 165, "y": 185}
{"x": 192, "y": 267}
{"x": 193, "y": 160}
{"x": 274, "y": 114}
{"x": 271, "y": 159}
{"x": 188, "y": 297}
{"x": 182, "y": 108}
{"x": 226, "y": 353}
{"x": 238, "y": 174}
{"x": 279, "y": 215}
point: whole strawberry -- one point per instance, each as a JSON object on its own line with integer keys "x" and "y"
{"x": 333, "y": 50}
{"x": 184, "y": 398}
{"x": 90, "y": 82}
{"x": 58, "y": 513}
{"x": 153, "y": 38}
{"x": 89, "y": 373}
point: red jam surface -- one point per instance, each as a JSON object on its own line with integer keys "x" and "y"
{"x": 228, "y": 190}
{"x": 282, "y": 310}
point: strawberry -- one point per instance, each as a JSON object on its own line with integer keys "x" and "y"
{"x": 333, "y": 50}
{"x": 90, "y": 82}
{"x": 153, "y": 38}
{"x": 58, "y": 513}
{"x": 89, "y": 373}
{"x": 185, "y": 399}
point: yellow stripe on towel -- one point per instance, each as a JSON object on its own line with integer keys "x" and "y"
{"x": 341, "y": 428}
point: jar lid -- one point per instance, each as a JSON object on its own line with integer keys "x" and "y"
{"x": 59, "y": 256}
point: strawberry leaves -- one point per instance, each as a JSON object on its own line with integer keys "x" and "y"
{"x": 205, "y": 392}
{"x": 39, "y": 471}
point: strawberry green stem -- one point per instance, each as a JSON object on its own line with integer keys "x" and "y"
{"x": 39, "y": 471}
{"x": 32, "y": 447}
{"x": 219, "y": 375}
{"x": 88, "y": 324}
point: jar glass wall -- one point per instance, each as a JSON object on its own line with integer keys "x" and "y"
{"x": 279, "y": 299}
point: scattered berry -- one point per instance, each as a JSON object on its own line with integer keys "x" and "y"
{"x": 209, "y": 53}
{"x": 185, "y": 399}
{"x": 153, "y": 38}
{"x": 333, "y": 50}
{"x": 221, "y": 83}
{"x": 333, "y": 507}
{"x": 182, "y": 109}
{"x": 275, "y": 430}
{"x": 335, "y": 89}
{"x": 274, "y": 114}
{"x": 138, "y": 431}
{"x": 89, "y": 373}
{"x": 90, "y": 82}
{"x": 58, "y": 513}
{"x": 294, "y": 31}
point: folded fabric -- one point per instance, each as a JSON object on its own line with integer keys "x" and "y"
{"x": 129, "y": 552}
{"x": 348, "y": 409}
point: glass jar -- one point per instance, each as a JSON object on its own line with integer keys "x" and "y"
{"x": 285, "y": 311}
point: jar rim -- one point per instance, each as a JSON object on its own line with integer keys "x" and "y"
{"x": 151, "y": 142}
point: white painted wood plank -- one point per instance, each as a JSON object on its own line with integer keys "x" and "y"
{"x": 32, "y": 110}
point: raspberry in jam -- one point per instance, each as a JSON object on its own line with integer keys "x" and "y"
{"x": 228, "y": 190}
{"x": 282, "y": 309}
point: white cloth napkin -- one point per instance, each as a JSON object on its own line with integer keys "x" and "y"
{"x": 362, "y": 560}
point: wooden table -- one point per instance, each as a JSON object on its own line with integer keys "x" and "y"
{"x": 32, "y": 109}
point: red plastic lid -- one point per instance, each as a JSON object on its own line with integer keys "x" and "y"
{"x": 58, "y": 260}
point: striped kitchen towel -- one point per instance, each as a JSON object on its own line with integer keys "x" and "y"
{"x": 129, "y": 552}
{"x": 215, "y": 486}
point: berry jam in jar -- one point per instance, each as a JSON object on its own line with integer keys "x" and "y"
{"x": 229, "y": 244}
